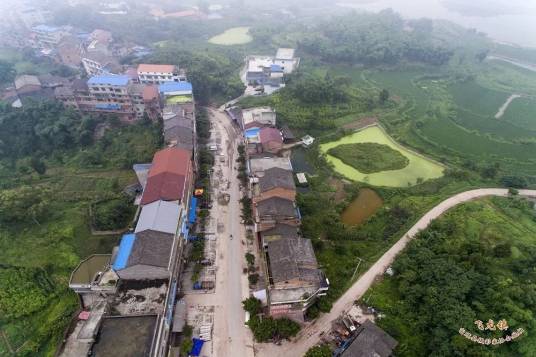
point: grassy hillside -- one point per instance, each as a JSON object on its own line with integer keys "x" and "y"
{"x": 48, "y": 230}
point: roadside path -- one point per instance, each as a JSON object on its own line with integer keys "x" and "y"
{"x": 310, "y": 335}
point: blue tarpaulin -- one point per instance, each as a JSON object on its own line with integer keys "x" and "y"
{"x": 251, "y": 133}
{"x": 198, "y": 345}
{"x": 192, "y": 213}
{"x": 124, "y": 251}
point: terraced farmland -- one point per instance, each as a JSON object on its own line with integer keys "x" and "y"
{"x": 522, "y": 113}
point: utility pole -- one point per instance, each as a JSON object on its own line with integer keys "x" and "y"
{"x": 355, "y": 270}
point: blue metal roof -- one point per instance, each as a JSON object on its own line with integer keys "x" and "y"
{"x": 125, "y": 247}
{"x": 175, "y": 87}
{"x": 192, "y": 210}
{"x": 109, "y": 80}
{"x": 276, "y": 68}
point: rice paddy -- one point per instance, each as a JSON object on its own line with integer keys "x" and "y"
{"x": 419, "y": 168}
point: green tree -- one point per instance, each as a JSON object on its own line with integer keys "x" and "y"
{"x": 383, "y": 96}
{"x": 252, "y": 305}
{"x": 319, "y": 351}
{"x": 7, "y": 72}
{"x": 250, "y": 258}
{"x": 38, "y": 165}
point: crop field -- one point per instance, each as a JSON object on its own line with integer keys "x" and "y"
{"x": 498, "y": 128}
{"x": 418, "y": 169}
{"x": 477, "y": 99}
{"x": 446, "y": 133}
{"x": 232, "y": 36}
{"x": 522, "y": 113}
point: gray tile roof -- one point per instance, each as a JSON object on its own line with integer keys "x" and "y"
{"x": 370, "y": 341}
{"x": 293, "y": 258}
{"x": 276, "y": 206}
{"x": 280, "y": 231}
{"x": 151, "y": 248}
{"x": 276, "y": 177}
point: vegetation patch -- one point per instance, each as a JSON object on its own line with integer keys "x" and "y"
{"x": 522, "y": 113}
{"x": 370, "y": 157}
{"x": 232, "y": 36}
{"x": 417, "y": 170}
{"x": 471, "y": 264}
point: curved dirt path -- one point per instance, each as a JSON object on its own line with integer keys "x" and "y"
{"x": 503, "y": 107}
{"x": 310, "y": 335}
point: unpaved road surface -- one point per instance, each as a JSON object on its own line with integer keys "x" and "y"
{"x": 310, "y": 335}
{"x": 230, "y": 336}
{"x": 503, "y": 107}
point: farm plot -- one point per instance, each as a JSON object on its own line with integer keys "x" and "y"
{"x": 477, "y": 99}
{"x": 522, "y": 113}
{"x": 418, "y": 169}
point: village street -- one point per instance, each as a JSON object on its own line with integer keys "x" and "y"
{"x": 310, "y": 335}
{"x": 230, "y": 335}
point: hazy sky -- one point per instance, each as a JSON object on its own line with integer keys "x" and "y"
{"x": 503, "y": 20}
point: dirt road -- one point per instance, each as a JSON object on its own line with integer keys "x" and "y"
{"x": 309, "y": 336}
{"x": 230, "y": 336}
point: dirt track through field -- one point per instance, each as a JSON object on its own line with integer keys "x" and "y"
{"x": 310, "y": 335}
{"x": 503, "y": 107}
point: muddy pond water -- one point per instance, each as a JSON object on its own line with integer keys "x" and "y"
{"x": 362, "y": 207}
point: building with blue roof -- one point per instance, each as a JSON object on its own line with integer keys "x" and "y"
{"x": 109, "y": 80}
{"x": 125, "y": 247}
{"x": 175, "y": 88}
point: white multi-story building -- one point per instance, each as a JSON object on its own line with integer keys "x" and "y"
{"x": 160, "y": 73}
{"x": 285, "y": 59}
{"x": 48, "y": 36}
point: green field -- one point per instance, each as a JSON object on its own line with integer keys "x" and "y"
{"x": 418, "y": 169}
{"x": 477, "y": 99}
{"x": 232, "y": 36}
{"x": 369, "y": 157}
{"x": 522, "y": 113}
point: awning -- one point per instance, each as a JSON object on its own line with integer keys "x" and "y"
{"x": 192, "y": 213}
{"x": 198, "y": 345}
{"x": 125, "y": 248}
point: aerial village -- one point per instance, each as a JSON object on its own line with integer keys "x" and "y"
{"x": 143, "y": 295}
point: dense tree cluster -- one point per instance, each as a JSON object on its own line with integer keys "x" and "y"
{"x": 24, "y": 204}
{"x": 384, "y": 38}
{"x": 312, "y": 89}
{"x": 113, "y": 214}
{"x": 469, "y": 265}
{"x": 41, "y": 128}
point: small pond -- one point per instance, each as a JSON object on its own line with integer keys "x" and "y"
{"x": 362, "y": 207}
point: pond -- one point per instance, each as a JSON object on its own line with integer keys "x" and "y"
{"x": 362, "y": 207}
{"x": 232, "y": 36}
{"x": 419, "y": 168}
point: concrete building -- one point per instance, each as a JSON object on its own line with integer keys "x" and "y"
{"x": 160, "y": 73}
{"x": 257, "y": 118}
{"x": 48, "y": 36}
{"x": 98, "y": 63}
{"x": 271, "y": 140}
{"x": 260, "y": 164}
{"x": 274, "y": 182}
{"x": 285, "y": 59}
{"x": 271, "y": 211}
{"x": 170, "y": 177}
{"x": 144, "y": 255}
{"x": 257, "y": 67}
{"x": 295, "y": 281}
{"x": 92, "y": 278}
{"x": 369, "y": 340}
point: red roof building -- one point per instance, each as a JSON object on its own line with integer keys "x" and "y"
{"x": 169, "y": 177}
{"x": 271, "y": 140}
